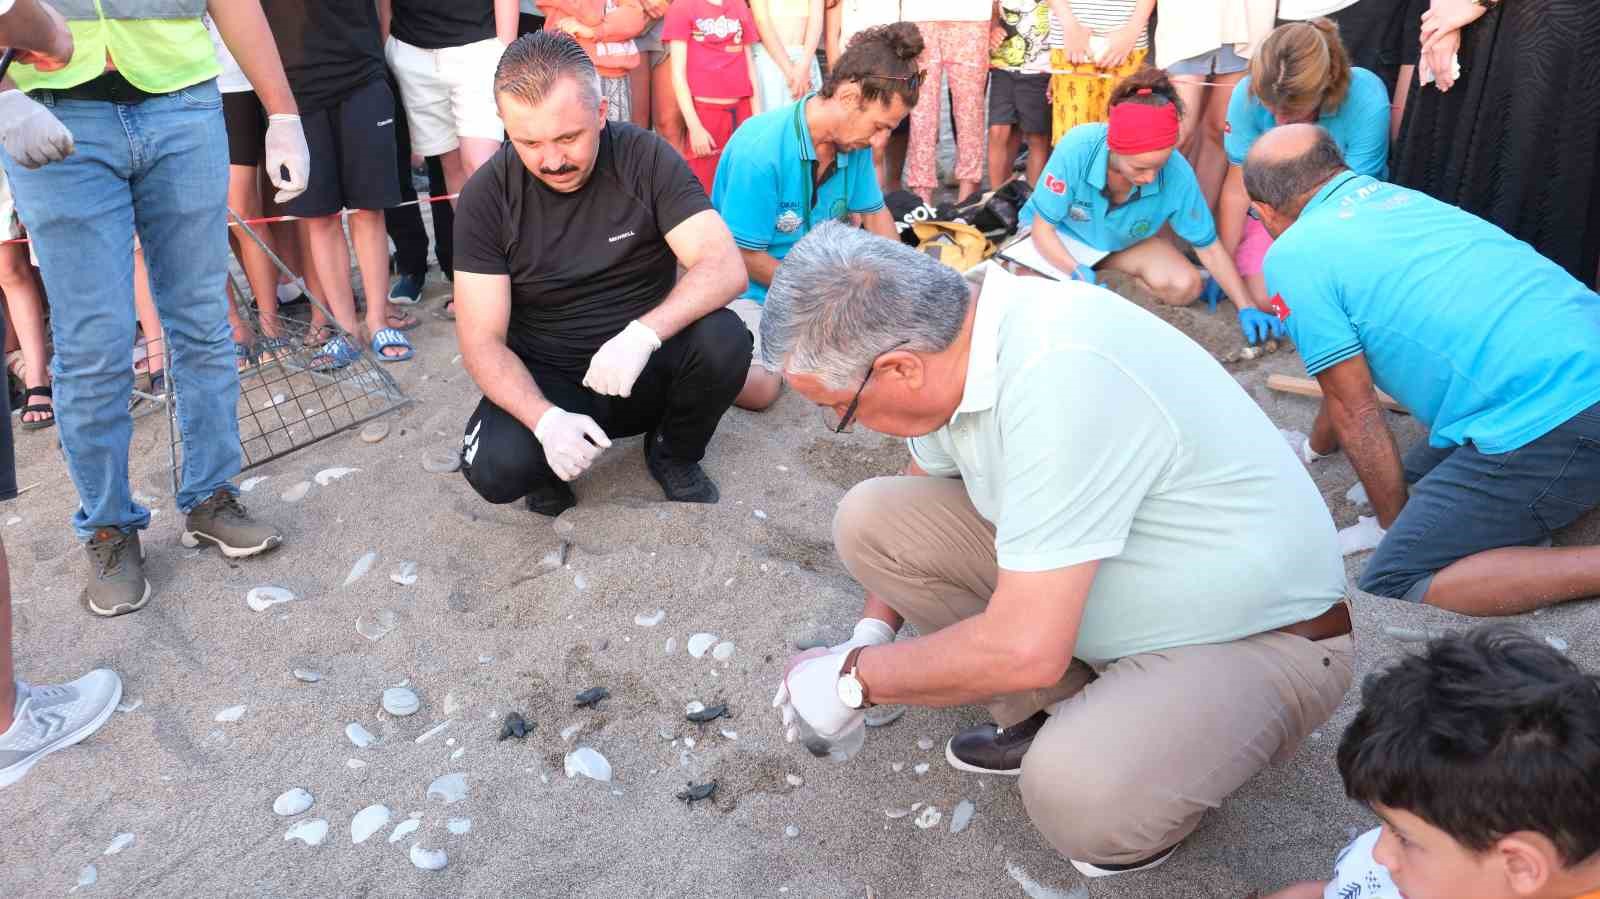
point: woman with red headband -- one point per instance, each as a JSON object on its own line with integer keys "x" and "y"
{"x": 1107, "y": 190}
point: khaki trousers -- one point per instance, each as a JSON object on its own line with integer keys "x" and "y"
{"x": 1136, "y": 754}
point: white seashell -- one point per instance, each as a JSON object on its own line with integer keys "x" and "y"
{"x": 962, "y": 816}
{"x": 581, "y": 582}
{"x": 570, "y": 731}
{"x": 441, "y": 464}
{"x": 15, "y": 519}
{"x": 929, "y": 817}
{"x": 893, "y": 813}
{"x": 374, "y": 431}
{"x": 405, "y": 575}
{"x": 428, "y": 859}
{"x": 292, "y": 802}
{"x": 794, "y": 780}
{"x": 921, "y": 769}
{"x": 249, "y": 484}
{"x": 924, "y": 744}
{"x": 791, "y": 831}
{"x": 329, "y": 475}
{"x": 672, "y": 645}
{"x": 375, "y": 626}
{"x": 359, "y": 570}
{"x": 723, "y": 651}
{"x": 310, "y": 677}
{"x": 231, "y": 713}
{"x": 1556, "y": 643}
{"x": 400, "y": 702}
{"x": 700, "y": 643}
{"x": 311, "y": 832}
{"x": 118, "y": 843}
{"x": 459, "y": 826}
{"x": 729, "y": 734}
{"x": 354, "y": 763}
{"x": 760, "y": 515}
{"x": 130, "y": 706}
{"x": 296, "y": 493}
{"x": 650, "y": 619}
{"x": 449, "y": 787}
{"x": 367, "y": 822}
{"x": 87, "y": 875}
{"x": 897, "y": 767}
{"x": 431, "y": 732}
{"x": 587, "y": 762}
{"x": 260, "y": 599}
{"x": 404, "y": 829}
{"x": 359, "y": 735}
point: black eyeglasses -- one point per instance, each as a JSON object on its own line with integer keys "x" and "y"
{"x": 849, "y": 417}
{"x": 912, "y": 81}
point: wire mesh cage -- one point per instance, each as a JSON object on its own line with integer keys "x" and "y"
{"x": 291, "y": 395}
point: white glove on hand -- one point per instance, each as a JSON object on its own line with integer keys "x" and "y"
{"x": 30, "y": 133}
{"x": 1309, "y": 455}
{"x": 616, "y": 365}
{"x": 1361, "y": 536}
{"x": 811, "y": 691}
{"x": 287, "y": 151}
{"x": 571, "y": 442}
{"x": 868, "y": 632}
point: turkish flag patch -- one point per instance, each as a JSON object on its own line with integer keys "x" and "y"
{"x": 1227, "y": 127}
{"x": 1279, "y": 307}
{"x": 1053, "y": 184}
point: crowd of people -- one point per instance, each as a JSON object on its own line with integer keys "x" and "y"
{"x": 653, "y": 210}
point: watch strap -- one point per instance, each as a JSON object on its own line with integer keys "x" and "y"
{"x": 850, "y": 668}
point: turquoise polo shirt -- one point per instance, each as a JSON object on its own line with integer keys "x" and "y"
{"x": 1360, "y": 126}
{"x": 764, "y": 185}
{"x": 1480, "y": 337}
{"x": 1071, "y": 195}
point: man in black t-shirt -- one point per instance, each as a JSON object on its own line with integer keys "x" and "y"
{"x": 444, "y": 53}
{"x": 569, "y": 310}
{"x": 334, "y": 59}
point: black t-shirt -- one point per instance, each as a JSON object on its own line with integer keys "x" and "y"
{"x": 583, "y": 264}
{"x": 436, "y": 24}
{"x": 329, "y": 47}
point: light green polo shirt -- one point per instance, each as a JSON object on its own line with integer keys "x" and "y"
{"x": 1090, "y": 429}
{"x": 158, "y": 56}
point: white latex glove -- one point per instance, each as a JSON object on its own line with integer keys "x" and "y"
{"x": 287, "y": 150}
{"x": 1361, "y": 536}
{"x": 1307, "y": 454}
{"x": 30, "y": 133}
{"x": 571, "y": 442}
{"x": 810, "y": 691}
{"x": 616, "y": 365}
{"x": 868, "y": 632}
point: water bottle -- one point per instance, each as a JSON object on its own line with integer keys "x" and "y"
{"x": 840, "y": 749}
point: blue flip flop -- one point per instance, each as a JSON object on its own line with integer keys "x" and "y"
{"x": 391, "y": 337}
{"x": 336, "y": 353}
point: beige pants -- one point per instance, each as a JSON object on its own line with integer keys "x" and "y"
{"x": 1133, "y": 758}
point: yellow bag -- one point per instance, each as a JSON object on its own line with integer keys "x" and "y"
{"x": 957, "y": 245}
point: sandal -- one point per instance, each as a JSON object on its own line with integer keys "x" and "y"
{"x": 389, "y": 337}
{"x": 406, "y": 320}
{"x": 242, "y": 357}
{"x": 448, "y": 310}
{"x": 273, "y": 349}
{"x": 336, "y": 353}
{"x": 38, "y": 409}
{"x": 319, "y": 335}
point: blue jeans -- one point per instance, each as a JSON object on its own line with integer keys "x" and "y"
{"x": 158, "y": 168}
{"x": 1464, "y": 502}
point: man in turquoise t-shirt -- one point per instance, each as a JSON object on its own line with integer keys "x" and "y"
{"x": 787, "y": 170}
{"x": 1489, "y": 344}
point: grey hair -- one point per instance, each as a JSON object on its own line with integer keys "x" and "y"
{"x": 842, "y": 297}
{"x": 1285, "y": 183}
{"x": 531, "y": 66}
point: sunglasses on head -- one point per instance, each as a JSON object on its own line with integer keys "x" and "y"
{"x": 913, "y": 81}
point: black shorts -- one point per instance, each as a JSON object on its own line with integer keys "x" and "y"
{"x": 353, "y": 163}
{"x": 247, "y": 127}
{"x": 1017, "y": 98}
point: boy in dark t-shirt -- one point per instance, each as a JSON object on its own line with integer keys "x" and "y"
{"x": 569, "y": 312}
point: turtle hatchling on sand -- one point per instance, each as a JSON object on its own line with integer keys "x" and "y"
{"x": 591, "y": 697}
{"x": 697, "y": 792}
{"x": 709, "y": 713}
{"x": 514, "y": 726}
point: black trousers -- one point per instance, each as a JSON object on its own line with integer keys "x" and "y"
{"x": 404, "y": 223}
{"x": 679, "y": 398}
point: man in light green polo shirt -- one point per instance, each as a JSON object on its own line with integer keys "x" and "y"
{"x": 148, "y": 158}
{"x": 1110, "y": 545}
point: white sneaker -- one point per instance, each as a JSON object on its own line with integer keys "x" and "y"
{"x": 1088, "y": 869}
{"x": 55, "y": 717}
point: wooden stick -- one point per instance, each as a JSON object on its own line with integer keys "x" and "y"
{"x": 1309, "y": 387}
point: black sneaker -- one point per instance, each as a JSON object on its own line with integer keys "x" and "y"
{"x": 551, "y": 499}
{"x": 683, "y": 482}
{"x": 990, "y": 749}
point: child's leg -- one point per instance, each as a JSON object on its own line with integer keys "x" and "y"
{"x": 668, "y": 118}
{"x": 144, "y": 305}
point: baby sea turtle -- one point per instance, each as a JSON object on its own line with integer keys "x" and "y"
{"x": 514, "y": 726}
{"x": 709, "y": 713}
{"x": 697, "y": 792}
{"x": 591, "y": 697}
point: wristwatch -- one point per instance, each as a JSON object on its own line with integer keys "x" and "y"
{"x": 852, "y": 692}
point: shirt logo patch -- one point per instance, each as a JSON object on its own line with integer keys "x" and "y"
{"x": 719, "y": 27}
{"x": 1141, "y": 228}
{"x": 1279, "y": 307}
{"x": 623, "y": 236}
{"x": 788, "y": 221}
{"x": 1054, "y": 185}
{"x": 1080, "y": 212}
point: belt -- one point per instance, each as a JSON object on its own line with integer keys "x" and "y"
{"x": 1333, "y": 623}
{"x": 110, "y": 87}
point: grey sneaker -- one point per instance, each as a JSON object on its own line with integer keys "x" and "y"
{"x": 55, "y": 717}
{"x": 222, "y": 520}
{"x": 117, "y": 584}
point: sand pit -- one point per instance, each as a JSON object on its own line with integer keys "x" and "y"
{"x": 507, "y": 612}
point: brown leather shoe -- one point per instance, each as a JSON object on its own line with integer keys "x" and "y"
{"x": 990, "y": 749}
